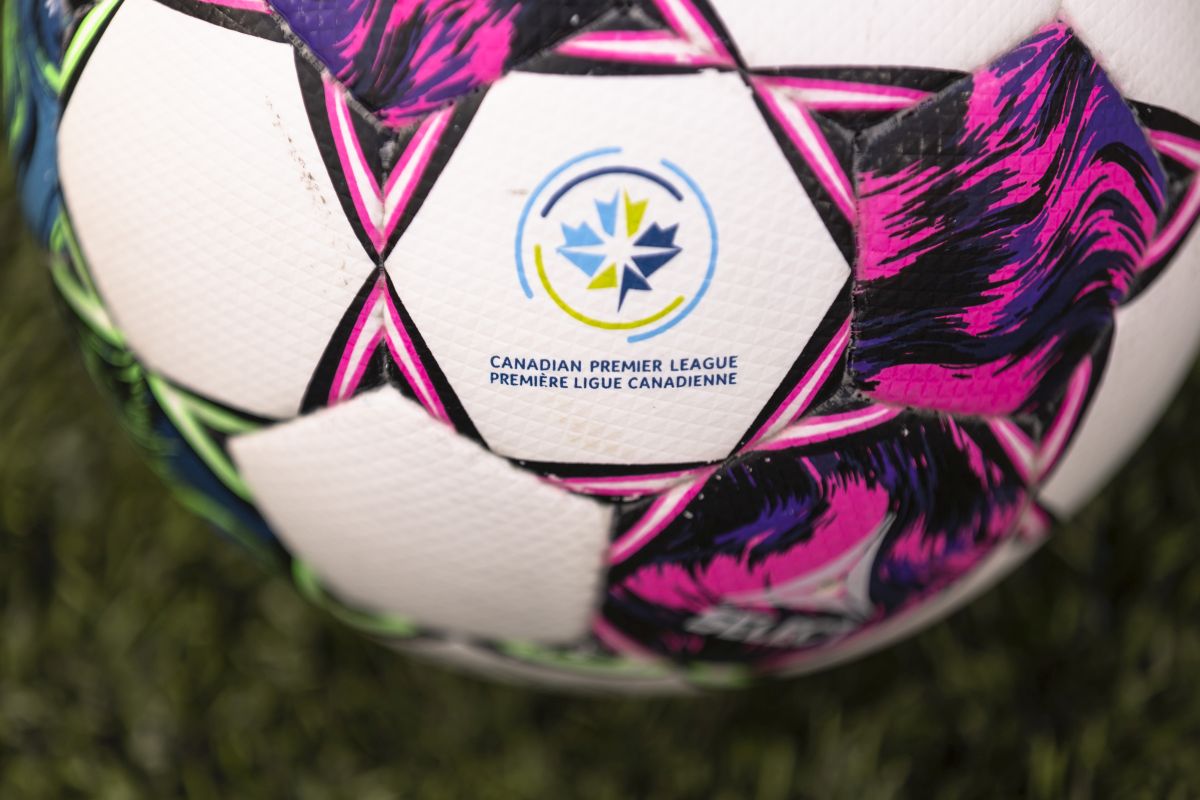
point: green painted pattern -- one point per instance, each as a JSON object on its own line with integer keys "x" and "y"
{"x": 194, "y": 417}
{"x": 67, "y": 268}
{"x": 58, "y": 76}
{"x": 12, "y": 73}
{"x": 190, "y": 415}
{"x": 585, "y": 664}
{"x": 206, "y": 508}
{"x": 117, "y": 370}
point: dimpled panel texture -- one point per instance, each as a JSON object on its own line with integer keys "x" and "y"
{"x": 777, "y": 275}
{"x": 1157, "y": 337}
{"x": 945, "y": 34}
{"x": 1150, "y": 50}
{"x": 206, "y": 215}
{"x": 1000, "y": 225}
{"x": 826, "y": 539}
{"x": 397, "y": 513}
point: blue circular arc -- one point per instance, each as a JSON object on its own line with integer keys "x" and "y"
{"x": 607, "y": 151}
{"x": 712, "y": 259}
{"x": 597, "y": 173}
{"x": 533, "y": 198}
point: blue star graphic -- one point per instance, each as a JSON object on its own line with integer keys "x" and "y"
{"x": 623, "y": 254}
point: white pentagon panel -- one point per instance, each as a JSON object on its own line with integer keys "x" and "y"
{"x": 399, "y": 514}
{"x": 517, "y": 254}
{"x": 943, "y": 34}
{"x": 204, "y": 208}
{"x": 1151, "y": 50}
{"x": 1157, "y": 340}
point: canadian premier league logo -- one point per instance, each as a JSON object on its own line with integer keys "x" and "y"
{"x": 618, "y": 244}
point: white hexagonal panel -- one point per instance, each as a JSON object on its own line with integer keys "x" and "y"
{"x": 1150, "y": 50}
{"x": 943, "y": 34}
{"x": 1155, "y": 345}
{"x": 204, "y": 208}
{"x": 617, "y": 270}
{"x": 399, "y": 514}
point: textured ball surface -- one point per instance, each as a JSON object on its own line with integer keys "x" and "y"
{"x": 645, "y": 344}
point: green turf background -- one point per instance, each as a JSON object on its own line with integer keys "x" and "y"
{"x": 140, "y": 656}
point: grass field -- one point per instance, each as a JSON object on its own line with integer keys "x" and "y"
{"x": 141, "y": 657}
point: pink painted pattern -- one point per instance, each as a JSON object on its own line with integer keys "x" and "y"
{"x": 380, "y": 211}
{"x": 1186, "y": 151}
{"x": 256, "y": 6}
{"x": 690, "y": 41}
{"x": 795, "y": 117}
{"x": 405, "y": 59}
{"x": 628, "y": 486}
{"x": 800, "y": 398}
{"x": 379, "y": 323}
{"x": 823, "y": 95}
{"x": 845, "y": 531}
{"x": 993, "y": 257}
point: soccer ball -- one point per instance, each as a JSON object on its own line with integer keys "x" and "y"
{"x": 645, "y": 344}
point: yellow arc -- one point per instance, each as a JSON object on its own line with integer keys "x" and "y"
{"x": 595, "y": 323}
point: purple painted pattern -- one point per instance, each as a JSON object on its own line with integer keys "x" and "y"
{"x": 403, "y": 59}
{"x": 1000, "y": 225}
{"x": 791, "y": 549}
